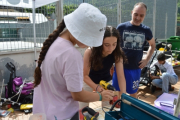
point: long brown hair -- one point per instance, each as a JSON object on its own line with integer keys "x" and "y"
{"x": 51, "y": 38}
{"x": 96, "y": 55}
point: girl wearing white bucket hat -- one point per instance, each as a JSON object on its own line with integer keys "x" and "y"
{"x": 59, "y": 75}
{"x": 98, "y": 62}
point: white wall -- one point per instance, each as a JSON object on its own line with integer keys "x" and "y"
{"x": 23, "y": 61}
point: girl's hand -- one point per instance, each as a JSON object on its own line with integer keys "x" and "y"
{"x": 152, "y": 77}
{"x": 107, "y": 95}
{"x": 99, "y": 88}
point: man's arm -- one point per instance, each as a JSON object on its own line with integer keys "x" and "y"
{"x": 150, "y": 51}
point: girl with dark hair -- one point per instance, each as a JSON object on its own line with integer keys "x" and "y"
{"x": 99, "y": 60}
{"x": 59, "y": 74}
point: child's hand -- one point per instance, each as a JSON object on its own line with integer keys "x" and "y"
{"x": 107, "y": 95}
{"x": 99, "y": 88}
{"x": 152, "y": 77}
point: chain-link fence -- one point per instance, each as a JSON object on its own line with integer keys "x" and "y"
{"x": 16, "y": 27}
{"x": 107, "y": 7}
{"x": 160, "y": 16}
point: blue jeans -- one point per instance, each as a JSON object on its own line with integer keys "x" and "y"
{"x": 164, "y": 82}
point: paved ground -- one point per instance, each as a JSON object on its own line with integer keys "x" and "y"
{"x": 143, "y": 94}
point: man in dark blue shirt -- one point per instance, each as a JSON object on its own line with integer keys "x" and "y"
{"x": 133, "y": 37}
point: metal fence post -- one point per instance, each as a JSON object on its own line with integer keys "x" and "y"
{"x": 34, "y": 31}
{"x": 176, "y": 13}
{"x": 154, "y": 18}
{"x": 119, "y": 12}
{"x": 166, "y": 19}
{"x": 59, "y": 11}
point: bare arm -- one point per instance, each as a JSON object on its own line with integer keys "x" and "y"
{"x": 150, "y": 51}
{"x": 86, "y": 70}
{"x": 154, "y": 77}
{"x": 120, "y": 76}
{"x": 86, "y": 96}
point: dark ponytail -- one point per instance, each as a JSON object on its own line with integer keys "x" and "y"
{"x": 51, "y": 38}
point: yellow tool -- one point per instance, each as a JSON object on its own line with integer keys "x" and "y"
{"x": 11, "y": 110}
{"x": 26, "y": 106}
{"x": 106, "y": 85}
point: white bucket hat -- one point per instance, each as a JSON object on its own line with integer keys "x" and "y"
{"x": 87, "y": 24}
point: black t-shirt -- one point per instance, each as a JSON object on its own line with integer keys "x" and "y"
{"x": 132, "y": 42}
{"x": 104, "y": 73}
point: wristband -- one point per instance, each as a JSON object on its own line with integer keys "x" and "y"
{"x": 100, "y": 96}
{"x": 97, "y": 87}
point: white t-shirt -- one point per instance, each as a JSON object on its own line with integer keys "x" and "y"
{"x": 166, "y": 67}
{"x": 62, "y": 73}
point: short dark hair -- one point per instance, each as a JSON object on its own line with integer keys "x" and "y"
{"x": 140, "y": 3}
{"x": 161, "y": 57}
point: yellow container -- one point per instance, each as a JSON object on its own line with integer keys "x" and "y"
{"x": 10, "y": 110}
{"x": 162, "y": 49}
{"x": 26, "y": 106}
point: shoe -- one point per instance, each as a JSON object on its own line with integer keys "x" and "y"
{"x": 171, "y": 88}
{"x": 158, "y": 88}
{"x": 152, "y": 88}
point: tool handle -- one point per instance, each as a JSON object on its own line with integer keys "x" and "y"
{"x": 89, "y": 110}
{"x": 139, "y": 108}
{"x": 127, "y": 102}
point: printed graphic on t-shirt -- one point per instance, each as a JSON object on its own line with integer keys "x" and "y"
{"x": 135, "y": 84}
{"x": 133, "y": 40}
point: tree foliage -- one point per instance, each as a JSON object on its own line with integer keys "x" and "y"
{"x": 48, "y": 10}
{"x": 69, "y": 8}
{"x": 178, "y": 14}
